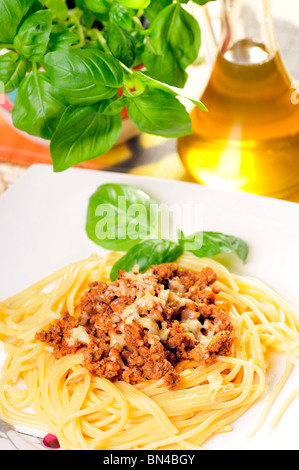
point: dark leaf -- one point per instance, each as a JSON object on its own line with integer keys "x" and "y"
{"x": 146, "y": 254}
{"x": 121, "y": 44}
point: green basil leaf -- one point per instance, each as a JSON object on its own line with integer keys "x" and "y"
{"x": 84, "y": 76}
{"x": 121, "y": 16}
{"x": 59, "y": 8}
{"x": 215, "y": 243}
{"x": 202, "y": 2}
{"x": 38, "y": 107}
{"x": 120, "y": 215}
{"x": 34, "y": 34}
{"x": 165, "y": 67}
{"x": 97, "y": 6}
{"x": 160, "y": 113}
{"x": 11, "y": 15}
{"x": 12, "y": 70}
{"x": 88, "y": 18}
{"x": 111, "y": 107}
{"x": 151, "y": 82}
{"x": 146, "y": 254}
{"x": 83, "y": 134}
{"x": 155, "y": 7}
{"x": 135, "y": 4}
{"x": 63, "y": 40}
{"x": 121, "y": 43}
{"x": 174, "y": 34}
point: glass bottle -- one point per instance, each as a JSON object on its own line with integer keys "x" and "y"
{"x": 249, "y": 139}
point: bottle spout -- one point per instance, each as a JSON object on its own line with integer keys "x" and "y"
{"x": 240, "y": 22}
{"x": 247, "y": 22}
{"x": 209, "y": 33}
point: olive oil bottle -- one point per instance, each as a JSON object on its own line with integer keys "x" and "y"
{"x": 249, "y": 138}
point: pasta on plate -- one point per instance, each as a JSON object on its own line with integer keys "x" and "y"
{"x": 211, "y": 355}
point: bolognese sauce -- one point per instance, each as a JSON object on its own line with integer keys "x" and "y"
{"x": 142, "y": 325}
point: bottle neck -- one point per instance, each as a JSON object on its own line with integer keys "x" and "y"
{"x": 247, "y": 31}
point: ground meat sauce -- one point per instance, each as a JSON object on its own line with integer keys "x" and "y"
{"x": 141, "y": 326}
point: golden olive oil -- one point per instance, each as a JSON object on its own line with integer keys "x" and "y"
{"x": 249, "y": 139}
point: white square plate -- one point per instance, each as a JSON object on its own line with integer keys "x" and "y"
{"x": 42, "y": 228}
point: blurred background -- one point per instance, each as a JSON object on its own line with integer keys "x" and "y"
{"x": 145, "y": 154}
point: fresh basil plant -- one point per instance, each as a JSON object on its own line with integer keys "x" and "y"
{"x": 78, "y": 63}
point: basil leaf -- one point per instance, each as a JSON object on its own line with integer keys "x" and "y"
{"x": 155, "y": 7}
{"x": 202, "y": 2}
{"x": 34, "y": 34}
{"x": 84, "y": 76}
{"x": 11, "y": 15}
{"x": 147, "y": 254}
{"x": 214, "y": 243}
{"x": 59, "y": 8}
{"x": 165, "y": 67}
{"x": 175, "y": 40}
{"x": 135, "y": 4}
{"x": 12, "y": 70}
{"x": 111, "y": 107}
{"x": 121, "y": 44}
{"x": 120, "y": 215}
{"x": 38, "y": 107}
{"x": 121, "y": 16}
{"x": 88, "y": 18}
{"x": 83, "y": 134}
{"x": 63, "y": 40}
{"x": 97, "y": 6}
{"x": 148, "y": 81}
{"x": 160, "y": 113}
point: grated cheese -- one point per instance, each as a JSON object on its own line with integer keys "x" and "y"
{"x": 78, "y": 334}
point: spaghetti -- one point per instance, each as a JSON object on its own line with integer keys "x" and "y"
{"x": 87, "y": 411}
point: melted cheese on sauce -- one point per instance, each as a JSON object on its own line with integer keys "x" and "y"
{"x": 194, "y": 327}
{"x": 144, "y": 304}
{"x": 139, "y": 312}
{"x": 117, "y": 337}
{"x": 78, "y": 334}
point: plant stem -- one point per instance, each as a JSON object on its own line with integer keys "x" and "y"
{"x": 126, "y": 68}
{"x": 6, "y": 46}
{"x": 101, "y": 40}
{"x": 80, "y": 31}
{"x": 137, "y": 22}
